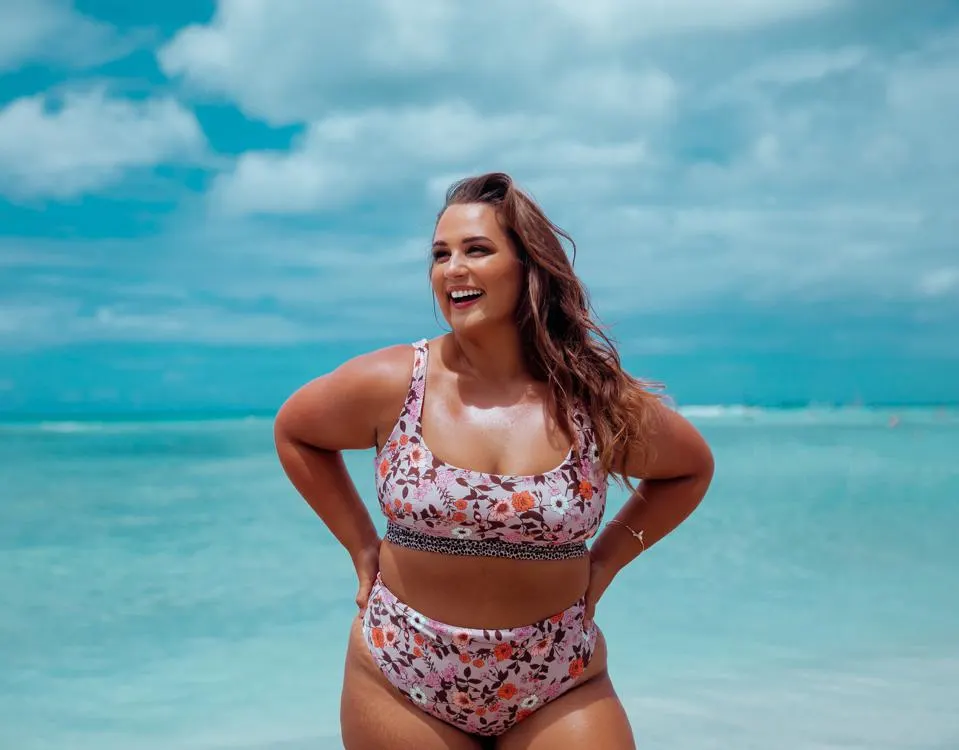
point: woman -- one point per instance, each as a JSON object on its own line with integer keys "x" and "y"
{"x": 476, "y": 609}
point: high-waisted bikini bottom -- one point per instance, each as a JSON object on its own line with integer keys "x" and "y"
{"x": 480, "y": 680}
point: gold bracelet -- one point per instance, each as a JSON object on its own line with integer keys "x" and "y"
{"x": 637, "y": 534}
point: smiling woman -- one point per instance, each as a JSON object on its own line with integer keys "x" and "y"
{"x": 476, "y": 608}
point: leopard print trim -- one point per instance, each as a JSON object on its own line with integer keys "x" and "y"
{"x": 404, "y": 537}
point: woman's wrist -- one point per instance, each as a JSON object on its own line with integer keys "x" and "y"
{"x": 368, "y": 546}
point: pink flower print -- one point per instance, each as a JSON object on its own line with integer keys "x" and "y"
{"x": 421, "y": 490}
{"x": 461, "y": 638}
{"x": 461, "y": 700}
{"x": 418, "y": 389}
{"x": 550, "y": 691}
{"x": 541, "y": 648}
{"x": 432, "y": 680}
{"x": 444, "y": 479}
{"x": 502, "y": 510}
{"x": 417, "y": 456}
{"x": 448, "y": 673}
{"x": 521, "y": 634}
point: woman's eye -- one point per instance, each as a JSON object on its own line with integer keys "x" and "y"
{"x": 439, "y": 255}
{"x": 477, "y": 248}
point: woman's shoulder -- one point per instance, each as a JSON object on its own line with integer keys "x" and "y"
{"x": 387, "y": 368}
{"x": 347, "y": 406}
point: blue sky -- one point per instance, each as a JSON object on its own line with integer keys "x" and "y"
{"x": 204, "y": 204}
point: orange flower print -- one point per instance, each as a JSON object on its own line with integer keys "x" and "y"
{"x": 404, "y": 439}
{"x": 384, "y": 467}
{"x": 408, "y": 507}
{"x": 459, "y": 517}
{"x": 418, "y": 639}
{"x": 586, "y": 490}
{"x": 465, "y": 658}
{"x": 397, "y": 503}
{"x": 556, "y": 618}
{"x": 507, "y": 691}
{"x": 417, "y": 651}
{"x": 461, "y": 504}
{"x": 379, "y": 640}
{"x": 479, "y": 663}
{"x": 522, "y": 501}
{"x": 503, "y": 652}
{"x": 522, "y": 714}
{"x": 481, "y": 710}
{"x": 576, "y": 668}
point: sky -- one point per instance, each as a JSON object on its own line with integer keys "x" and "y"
{"x": 205, "y": 204}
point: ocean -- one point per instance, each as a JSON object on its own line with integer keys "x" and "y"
{"x": 163, "y": 586}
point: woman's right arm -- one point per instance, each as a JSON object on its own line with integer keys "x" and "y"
{"x": 346, "y": 409}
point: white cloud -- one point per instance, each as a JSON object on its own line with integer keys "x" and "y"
{"x": 345, "y": 154}
{"x": 52, "y": 31}
{"x": 621, "y": 20}
{"x": 804, "y": 66}
{"x": 88, "y": 140}
{"x": 939, "y": 282}
{"x": 286, "y": 62}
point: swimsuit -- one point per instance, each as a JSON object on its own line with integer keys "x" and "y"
{"x": 482, "y": 680}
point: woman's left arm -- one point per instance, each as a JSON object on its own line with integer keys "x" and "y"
{"x": 675, "y": 466}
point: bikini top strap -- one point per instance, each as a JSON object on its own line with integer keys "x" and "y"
{"x": 414, "y": 399}
{"x": 583, "y": 436}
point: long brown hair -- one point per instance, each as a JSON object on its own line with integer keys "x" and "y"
{"x": 562, "y": 342}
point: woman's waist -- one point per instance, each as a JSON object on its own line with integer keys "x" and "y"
{"x": 482, "y": 592}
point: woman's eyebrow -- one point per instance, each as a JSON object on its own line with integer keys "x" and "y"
{"x": 465, "y": 240}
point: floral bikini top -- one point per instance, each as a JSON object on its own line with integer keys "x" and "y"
{"x": 432, "y": 506}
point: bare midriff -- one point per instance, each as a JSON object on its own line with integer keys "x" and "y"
{"x": 482, "y": 592}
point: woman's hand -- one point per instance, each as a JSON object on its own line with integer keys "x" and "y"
{"x": 600, "y": 576}
{"x": 367, "y": 564}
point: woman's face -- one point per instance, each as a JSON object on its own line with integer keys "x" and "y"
{"x": 476, "y": 274}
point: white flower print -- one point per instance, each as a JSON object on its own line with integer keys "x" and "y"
{"x": 559, "y": 503}
{"x": 417, "y": 620}
{"x": 502, "y": 510}
{"x": 529, "y": 701}
{"x": 461, "y": 532}
{"x": 417, "y": 694}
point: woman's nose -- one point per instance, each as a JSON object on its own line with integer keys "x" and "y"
{"x": 456, "y": 266}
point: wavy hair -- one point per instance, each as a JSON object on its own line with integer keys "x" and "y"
{"x": 562, "y": 342}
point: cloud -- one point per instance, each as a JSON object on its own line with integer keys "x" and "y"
{"x": 51, "y": 31}
{"x": 288, "y": 62}
{"x": 83, "y": 141}
{"x": 345, "y": 154}
{"x": 784, "y": 174}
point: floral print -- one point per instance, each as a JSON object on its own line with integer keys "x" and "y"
{"x": 482, "y": 681}
{"x": 419, "y": 492}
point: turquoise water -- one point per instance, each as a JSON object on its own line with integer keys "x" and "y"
{"x": 164, "y": 587}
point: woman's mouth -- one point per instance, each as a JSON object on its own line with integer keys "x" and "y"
{"x": 462, "y": 298}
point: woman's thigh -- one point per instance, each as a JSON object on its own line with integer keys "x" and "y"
{"x": 373, "y": 714}
{"x": 589, "y": 715}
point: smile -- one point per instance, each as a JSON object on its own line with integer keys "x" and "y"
{"x": 465, "y": 297}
